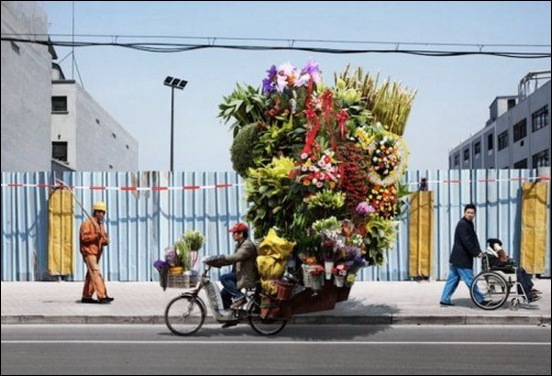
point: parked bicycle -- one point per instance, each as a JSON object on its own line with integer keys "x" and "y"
{"x": 185, "y": 314}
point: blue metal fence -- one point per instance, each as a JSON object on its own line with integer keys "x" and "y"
{"x": 144, "y": 220}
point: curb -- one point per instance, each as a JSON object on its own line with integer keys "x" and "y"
{"x": 297, "y": 320}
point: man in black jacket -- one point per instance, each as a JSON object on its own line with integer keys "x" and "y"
{"x": 466, "y": 247}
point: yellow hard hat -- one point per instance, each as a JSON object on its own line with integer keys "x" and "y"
{"x": 99, "y": 205}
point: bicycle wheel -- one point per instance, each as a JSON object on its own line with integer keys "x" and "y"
{"x": 265, "y": 327}
{"x": 494, "y": 288}
{"x": 185, "y": 315}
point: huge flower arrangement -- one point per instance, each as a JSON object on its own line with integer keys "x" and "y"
{"x": 309, "y": 152}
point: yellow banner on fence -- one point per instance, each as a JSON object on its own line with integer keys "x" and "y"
{"x": 420, "y": 242}
{"x": 60, "y": 233}
{"x": 533, "y": 227}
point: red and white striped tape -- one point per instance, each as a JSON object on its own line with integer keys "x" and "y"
{"x": 122, "y": 188}
{"x": 489, "y": 180}
{"x": 230, "y": 185}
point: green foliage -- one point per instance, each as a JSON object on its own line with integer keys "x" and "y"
{"x": 187, "y": 242}
{"x": 183, "y": 253}
{"x": 241, "y": 152}
{"x": 389, "y": 103}
{"x": 380, "y": 236}
{"x": 267, "y": 190}
{"x": 279, "y": 138}
{"x": 331, "y": 224}
{"x": 245, "y": 105}
{"x": 194, "y": 239}
{"x": 325, "y": 203}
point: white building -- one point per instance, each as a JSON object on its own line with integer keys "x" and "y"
{"x": 85, "y": 136}
{"x": 517, "y": 134}
{"x": 48, "y": 122}
{"x": 26, "y": 90}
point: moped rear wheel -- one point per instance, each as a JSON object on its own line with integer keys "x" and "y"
{"x": 265, "y": 327}
{"x": 185, "y": 315}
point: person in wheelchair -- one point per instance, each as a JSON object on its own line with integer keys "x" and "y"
{"x": 499, "y": 260}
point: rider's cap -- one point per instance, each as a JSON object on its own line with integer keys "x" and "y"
{"x": 239, "y": 227}
{"x": 99, "y": 205}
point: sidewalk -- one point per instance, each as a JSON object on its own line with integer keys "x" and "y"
{"x": 369, "y": 303}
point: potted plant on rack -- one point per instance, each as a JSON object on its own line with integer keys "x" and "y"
{"x": 194, "y": 241}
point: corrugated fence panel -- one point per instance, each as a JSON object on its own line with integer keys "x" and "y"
{"x": 148, "y": 211}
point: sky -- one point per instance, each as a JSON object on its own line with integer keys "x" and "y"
{"x": 453, "y": 93}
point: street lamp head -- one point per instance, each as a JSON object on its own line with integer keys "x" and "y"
{"x": 176, "y": 83}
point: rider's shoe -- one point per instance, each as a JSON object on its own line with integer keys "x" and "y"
{"x": 229, "y": 324}
{"x": 238, "y": 303}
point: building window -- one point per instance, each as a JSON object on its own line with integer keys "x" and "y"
{"x": 466, "y": 155}
{"x": 477, "y": 149}
{"x": 457, "y": 160}
{"x": 511, "y": 103}
{"x": 59, "y": 104}
{"x": 521, "y": 164}
{"x": 59, "y": 150}
{"x": 541, "y": 159}
{"x": 540, "y": 119}
{"x": 520, "y": 130}
{"x": 503, "y": 140}
{"x": 490, "y": 139}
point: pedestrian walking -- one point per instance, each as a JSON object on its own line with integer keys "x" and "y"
{"x": 465, "y": 248}
{"x": 93, "y": 239}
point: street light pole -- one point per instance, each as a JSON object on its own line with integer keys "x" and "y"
{"x": 172, "y": 128}
{"x": 173, "y": 83}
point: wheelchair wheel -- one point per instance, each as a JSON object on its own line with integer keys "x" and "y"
{"x": 494, "y": 288}
{"x": 514, "y": 304}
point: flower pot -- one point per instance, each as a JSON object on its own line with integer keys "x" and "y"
{"x": 284, "y": 290}
{"x": 328, "y": 266}
{"x": 176, "y": 270}
{"x": 339, "y": 280}
{"x": 317, "y": 282}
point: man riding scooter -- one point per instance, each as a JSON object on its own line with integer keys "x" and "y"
{"x": 244, "y": 270}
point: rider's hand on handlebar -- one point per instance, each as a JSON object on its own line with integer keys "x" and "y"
{"x": 212, "y": 260}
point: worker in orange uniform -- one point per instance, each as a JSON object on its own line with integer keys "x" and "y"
{"x": 93, "y": 238}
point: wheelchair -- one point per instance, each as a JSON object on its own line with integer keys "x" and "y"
{"x": 497, "y": 284}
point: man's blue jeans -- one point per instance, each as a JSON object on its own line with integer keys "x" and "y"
{"x": 230, "y": 292}
{"x": 455, "y": 274}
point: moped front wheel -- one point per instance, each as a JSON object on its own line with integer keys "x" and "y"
{"x": 266, "y": 326}
{"x": 185, "y": 315}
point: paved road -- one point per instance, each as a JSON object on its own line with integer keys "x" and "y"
{"x": 299, "y": 349}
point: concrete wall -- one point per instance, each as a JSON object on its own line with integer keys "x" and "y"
{"x": 96, "y": 141}
{"x": 26, "y": 89}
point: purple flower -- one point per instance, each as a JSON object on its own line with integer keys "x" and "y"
{"x": 311, "y": 70}
{"x": 268, "y": 82}
{"x": 364, "y": 208}
{"x": 160, "y": 265}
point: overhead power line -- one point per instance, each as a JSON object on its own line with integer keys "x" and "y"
{"x": 290, "y": 45}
